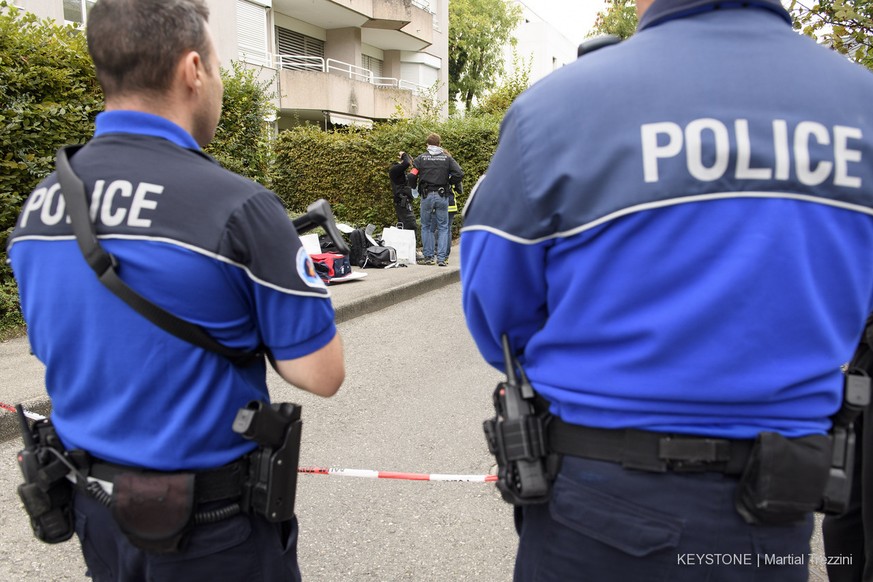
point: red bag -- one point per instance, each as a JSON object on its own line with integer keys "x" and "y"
{"x": 331, "y": 265}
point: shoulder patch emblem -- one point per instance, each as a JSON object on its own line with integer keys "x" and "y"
{"x": 306, "y": 270}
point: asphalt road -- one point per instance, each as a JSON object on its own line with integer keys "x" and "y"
{"x": 414, "y": 400}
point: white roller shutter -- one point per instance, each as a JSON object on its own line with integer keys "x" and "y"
{"x": 251, "y": 27}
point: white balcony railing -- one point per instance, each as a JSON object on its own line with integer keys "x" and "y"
{"x": 306, "y": 63}
{"x": 350, "y": 71}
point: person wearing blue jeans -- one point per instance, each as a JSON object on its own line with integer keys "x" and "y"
{"x": 435, "y": 209}
{"x": 435, "y": 174}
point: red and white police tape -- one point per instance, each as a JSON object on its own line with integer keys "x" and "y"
{"x": 364, "y": 473}
{"x": 369, "y": 474}
{"x": 27, "y": 413}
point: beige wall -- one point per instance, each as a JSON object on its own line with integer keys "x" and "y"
{"x": 440, "y": 49}
{"x": 43, "y": 8}
{"x": 344, "y": 44}
{"x": 317, "y": 91}
{"x": 222, "y": 24}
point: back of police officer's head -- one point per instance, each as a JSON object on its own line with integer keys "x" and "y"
{"x": 136, "y": 44}
{"x": 433, "y": 139}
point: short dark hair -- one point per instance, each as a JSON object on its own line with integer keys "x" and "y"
{"x": 433, "y": 139}
{"x": 136, "y": 44}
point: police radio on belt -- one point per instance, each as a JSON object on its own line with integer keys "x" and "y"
{"x": 517, "y": 437}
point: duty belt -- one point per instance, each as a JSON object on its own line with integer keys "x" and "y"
{"x": 649, "y": 451}
{"x": 218, "y": 484}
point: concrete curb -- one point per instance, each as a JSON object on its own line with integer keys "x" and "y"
{"x": 9, "y": 424}
{"x": 395, "y": 295}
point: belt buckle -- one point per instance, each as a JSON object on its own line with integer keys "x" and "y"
{"x": 693, "y": 454}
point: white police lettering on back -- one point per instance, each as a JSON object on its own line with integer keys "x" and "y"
{"x": 786, "y": 151}
{"x": 52, "y": 207}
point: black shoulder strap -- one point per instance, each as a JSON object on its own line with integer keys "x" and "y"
{"x": 104, "y": 264}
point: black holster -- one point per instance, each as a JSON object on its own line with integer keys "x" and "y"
{"x": 271, "y": 485}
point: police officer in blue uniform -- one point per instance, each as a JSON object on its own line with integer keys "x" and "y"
{"x": 210, "y": 247}
{"x": 672, "y": 234}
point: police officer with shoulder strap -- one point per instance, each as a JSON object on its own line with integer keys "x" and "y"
{"x": 435, "y": 174}
{"x": 180, "y": 462}
{"x": 668, "y": 236}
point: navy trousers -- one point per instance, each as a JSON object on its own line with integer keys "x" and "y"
{"x": 607, "y": 523}
{"x": 240, "y": 548}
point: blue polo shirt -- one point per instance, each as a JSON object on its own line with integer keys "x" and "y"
{"x": 676, "y": 231}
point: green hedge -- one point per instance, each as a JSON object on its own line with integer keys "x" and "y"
{"x": 350, "y": 168}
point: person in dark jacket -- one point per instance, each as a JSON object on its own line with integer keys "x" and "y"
{"x": 435, "y": 174}
{"x": 403, "y": 193}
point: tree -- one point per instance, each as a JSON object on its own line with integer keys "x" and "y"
{"x": 844, "y": 25}
{"x": 619, "y": 18}
{"x": 499, "y": 100}
{"x": 478, "y": 31}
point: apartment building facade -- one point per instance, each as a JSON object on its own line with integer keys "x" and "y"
{"x": 539, "y": 45}
{"x": 330, "y": 62}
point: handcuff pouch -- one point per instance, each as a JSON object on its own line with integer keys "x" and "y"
{"x": 154, "y": 510}
{"x": 784, "y": 479}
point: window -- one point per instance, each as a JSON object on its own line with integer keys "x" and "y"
{"x": 419, "y": 74}
{"x": 251, "y": 21}
{"x": 76, "y": 11}
{"x": 298, "y": 51}
{"x": 373, "y": 64}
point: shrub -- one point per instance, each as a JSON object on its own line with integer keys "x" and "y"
{"x": 243, "y": 139}
{"x": 49, "y": 97}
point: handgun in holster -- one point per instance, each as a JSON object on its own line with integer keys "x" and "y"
{"x": 271, "y": 484}
{"x": 856, "y": 398}
{"x": 46, "y": 493}
{"x": 516, "y": 437}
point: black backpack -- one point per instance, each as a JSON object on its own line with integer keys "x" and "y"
{"x": 358, "y": 244}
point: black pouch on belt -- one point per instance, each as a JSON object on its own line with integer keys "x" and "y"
{"x": 784, "y": 479}
{"x": 154, "y": 510}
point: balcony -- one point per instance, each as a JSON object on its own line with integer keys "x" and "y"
{"x": 385, "y": 24}
{"x": 315, "y": 84}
